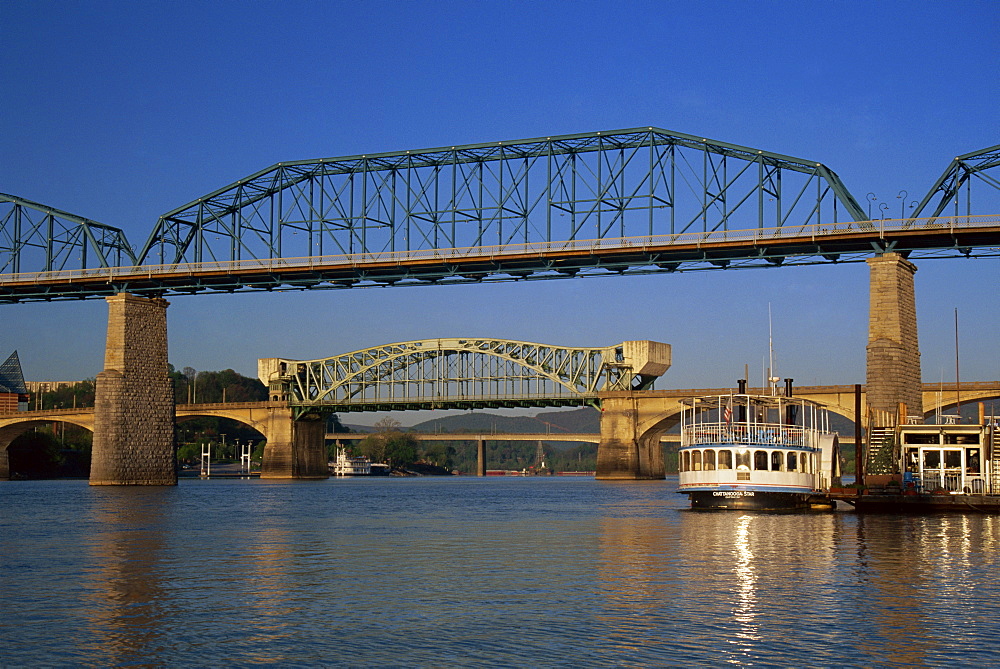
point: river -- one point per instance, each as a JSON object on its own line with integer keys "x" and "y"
{"x": 431, "y": 572}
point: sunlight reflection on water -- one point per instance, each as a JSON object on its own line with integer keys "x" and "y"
{"x": 480, "y": 572}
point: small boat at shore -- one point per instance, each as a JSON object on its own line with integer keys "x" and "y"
{"x": 757, "y": 452}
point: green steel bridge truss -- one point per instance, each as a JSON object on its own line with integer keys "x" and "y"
{"x": 622, "y": 183}
{"x": 638, "y": 200}
{"x": 954, "y": 187}
{"x": 37, "y": 238}
{"x": 455, "y": 374}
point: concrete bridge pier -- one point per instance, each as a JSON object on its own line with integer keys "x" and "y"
{"x": 631, "y": 426}
{"x": 295, "y": 449}
{"x": 481, "y": 453}
{"x": 134, "y": 399}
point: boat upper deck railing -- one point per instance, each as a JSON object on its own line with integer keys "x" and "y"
{"x": 743, "y": 435}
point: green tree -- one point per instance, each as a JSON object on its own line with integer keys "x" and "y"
{"x": 440, "y": 453}
{"x": 400, "y": 449}
{"x": 389, "y": 444}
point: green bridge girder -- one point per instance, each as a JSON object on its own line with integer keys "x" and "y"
{"x": 460, "y": 373}
{"x": 639, "y": 200}
{"x": 609, "y": 184}
{"x": 38, "y": 238}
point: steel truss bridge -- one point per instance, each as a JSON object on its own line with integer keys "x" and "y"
{"x": 625, "y": 201}
{"x": 462, "y": 374}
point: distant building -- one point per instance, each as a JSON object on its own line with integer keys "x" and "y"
{"x": 39, "y": 387}
{"x": 13, "y": 392}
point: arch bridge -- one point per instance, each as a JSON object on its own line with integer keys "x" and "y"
{"x": 463, "y": 374}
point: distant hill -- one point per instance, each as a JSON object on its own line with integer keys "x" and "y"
{"x": 585, "y": 419}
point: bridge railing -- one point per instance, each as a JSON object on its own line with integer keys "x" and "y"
{"x": 641, "y": 243}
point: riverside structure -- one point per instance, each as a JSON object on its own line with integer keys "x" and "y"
{"x": 607, "y": 203}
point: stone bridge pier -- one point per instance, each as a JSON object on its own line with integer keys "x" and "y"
{"x": 134, "y": 399}
{"x": 632, "y": 423}
{"x": 893, "y": 355}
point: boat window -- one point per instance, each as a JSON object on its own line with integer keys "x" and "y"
{"x": 911, "y": 459}
{"x": 793, "y": 461}
{"x": 952, "y": 459}
{"x": 972, "y": 460}
{"x": 696, "y": 460}
{"x": 932, "y": 459}
{"x": 920, "y": 438}
{"x": 776, "y": 461}
{"x": 725, "y": 459}
{"x": 709, "y": 463}
{"x": 686, "y": 461}
{"x": 743, "y": 460}
{"x": 961, "y": 438}
{"x": 760, "y": 460}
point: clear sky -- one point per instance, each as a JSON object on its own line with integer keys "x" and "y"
{"x": 121, "y": 111}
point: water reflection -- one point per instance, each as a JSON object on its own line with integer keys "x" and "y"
{"x": 635, "y": 571}
{"x": 127, "y": 599}
{"x": 481, "y": 573}
{"x": 744, "y": 612}
{"x": 922, "y": 575}
{"x": 270, "y": 611}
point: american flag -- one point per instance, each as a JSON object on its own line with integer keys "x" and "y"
{"x": 727, "y": 415}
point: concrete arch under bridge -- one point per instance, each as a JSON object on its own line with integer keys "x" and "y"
{"x": 294, "y": 448}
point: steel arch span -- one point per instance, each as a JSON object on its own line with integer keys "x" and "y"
{"x": 463, "y": 373}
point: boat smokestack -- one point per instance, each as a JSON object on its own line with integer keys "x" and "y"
{"x": 789, "y": 410}
{"x": 742, "y": 385}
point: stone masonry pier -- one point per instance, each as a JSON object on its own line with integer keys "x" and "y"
{"x": 134, "y": 402}
{"x": 893, "y": 354}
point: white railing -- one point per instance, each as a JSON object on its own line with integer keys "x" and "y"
{"x": 761, "y": 434}
{"x": 649, "y": 242}
{"x": 953, "y": 481}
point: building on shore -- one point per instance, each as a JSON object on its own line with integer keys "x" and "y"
{"x": 13, "y": 392}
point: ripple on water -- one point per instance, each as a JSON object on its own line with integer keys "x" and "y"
{"x": 479, "y": 572}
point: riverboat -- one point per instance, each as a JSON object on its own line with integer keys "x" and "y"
{"x": 757, "y": 452}
{"x": 345, "y": 465}
{"x": 918, "y": 467}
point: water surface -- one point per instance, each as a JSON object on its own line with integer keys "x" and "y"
{"x": 480, "y": 572}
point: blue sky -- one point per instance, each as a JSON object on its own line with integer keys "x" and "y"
{"x": 121, "y": 111}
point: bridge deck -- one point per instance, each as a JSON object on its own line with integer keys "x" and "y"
{"x": 835, "y": 242}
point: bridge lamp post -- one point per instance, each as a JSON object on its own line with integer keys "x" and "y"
{"x": 883, "y": 207}
{"x": 871, "y": 198}
{"x": 902, "y": 203}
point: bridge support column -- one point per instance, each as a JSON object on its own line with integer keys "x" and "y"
{"x": 134, "y": 400}
{"x": 893, "y": 360}
{"x": 481, "y": 453}
{"x": 295, "y": 449}
{"x": 629, "y": 450}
